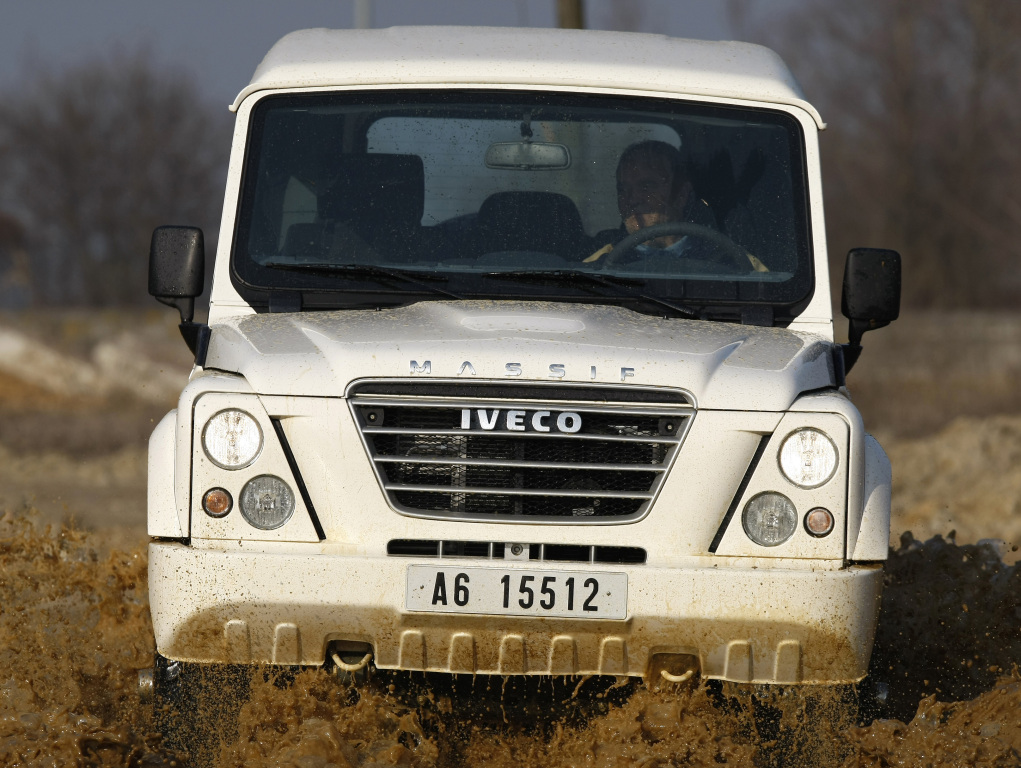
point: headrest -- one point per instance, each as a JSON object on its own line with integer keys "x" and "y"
{"x": 537, "y": 221}
{"x": 377, "y": 190}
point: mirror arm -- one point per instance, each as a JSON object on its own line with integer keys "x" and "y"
{"x": 196, "y": 335}
{"x": 855, "y": 330}
{"x": 185, "y": 306}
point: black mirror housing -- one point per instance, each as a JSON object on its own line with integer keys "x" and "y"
{"x": 177, "y": 257}
{"x": 871, "y": 286}
{"x": 177, "y": 262}
{"x": 871, "y": 294}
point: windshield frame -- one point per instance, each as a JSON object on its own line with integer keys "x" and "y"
{"x": 257, "y": 284}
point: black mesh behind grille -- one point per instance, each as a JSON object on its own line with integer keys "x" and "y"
{"x": 569, "y": 462}
{"x": 567, "y": 553}
{"x": 501, "y": 505}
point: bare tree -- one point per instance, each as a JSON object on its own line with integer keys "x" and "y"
{"x": 92, "y": 158}
{"x": 570, "y": 14}
{"x": 624, "y": 15}
{"x": 921, "y": 153}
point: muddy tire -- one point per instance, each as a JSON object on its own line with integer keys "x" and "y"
{"x": 794, "y": 726}
{"x": 196, "y": 706}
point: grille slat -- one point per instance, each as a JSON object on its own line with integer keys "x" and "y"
{"x": 511, "y": 463}
{"x": 517, "y": 435}
{"x": 587, "y": 461}
{"x": 519, "y": 491}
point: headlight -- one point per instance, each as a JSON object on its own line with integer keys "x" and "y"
{"x": 808, "y": 458}
{"x": 232, "y": 439}
{"x": 267, "y": 502}
{"x": 769, "y": 519}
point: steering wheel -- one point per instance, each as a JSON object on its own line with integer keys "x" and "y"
{"x": 736, "y": 255}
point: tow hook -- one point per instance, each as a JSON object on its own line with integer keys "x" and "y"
{"x": 671, "y": 678}
{"x": 351, "y": 668}
{"x": 358, "y": 666}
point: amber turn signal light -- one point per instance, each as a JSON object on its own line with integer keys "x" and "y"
{"x": 217, "y": 502}
{"x": 819, "y": 522}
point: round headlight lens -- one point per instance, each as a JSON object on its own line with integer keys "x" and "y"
{"x": 769, "y": 519}
{"x": 808, "y": 458}
{"x": 267, "y": 502}
{"x": 232, "y": 439}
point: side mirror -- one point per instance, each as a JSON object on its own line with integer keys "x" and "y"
{"x": 177, "y": 258}
{"x": 871, "y": 295}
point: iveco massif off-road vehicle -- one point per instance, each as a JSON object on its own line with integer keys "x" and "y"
{"x": 455, "y": 411}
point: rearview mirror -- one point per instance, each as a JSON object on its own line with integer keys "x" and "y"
{"x": 528, "y": 156}
{"x": 871, "y": 295}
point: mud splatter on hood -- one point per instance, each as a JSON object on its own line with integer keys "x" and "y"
{"x": 725, "y": 366}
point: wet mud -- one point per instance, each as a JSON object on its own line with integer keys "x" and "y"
{"x": 74, "y": 627}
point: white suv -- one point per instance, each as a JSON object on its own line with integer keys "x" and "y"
{"x": 463, "y": 406}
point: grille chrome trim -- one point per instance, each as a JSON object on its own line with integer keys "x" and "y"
{"x": 560, "y": 391}
{"x": 608, "y": 473}
{"x": 512, "y": 463}
{"x": 515, "y": 435}
{"x": 569, "y": 493}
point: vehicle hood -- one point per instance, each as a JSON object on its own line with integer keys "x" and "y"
{"x": 724, "y": 366}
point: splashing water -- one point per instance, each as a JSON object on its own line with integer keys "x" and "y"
{"x": 74, "y": 627}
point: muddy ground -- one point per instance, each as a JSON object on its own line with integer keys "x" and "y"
{"x": 79, "y": 394}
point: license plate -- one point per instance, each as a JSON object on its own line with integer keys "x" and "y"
{"x": 513, "y": 592}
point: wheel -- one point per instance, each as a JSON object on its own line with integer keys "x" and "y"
{"x": 196, "y": 706}
{"x": 737, "y": 257}
{"x": 792, "y": 725}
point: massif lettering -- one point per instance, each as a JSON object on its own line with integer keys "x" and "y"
{"x": 555, "y": 370}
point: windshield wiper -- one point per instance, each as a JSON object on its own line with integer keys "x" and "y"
{"x": 364, "y": 270}
{"x": 619, "y": 286}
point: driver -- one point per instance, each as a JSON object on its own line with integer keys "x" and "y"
{"x": 654, "y": 187}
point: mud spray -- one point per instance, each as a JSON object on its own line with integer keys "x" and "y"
{"x": 74, "y": 627}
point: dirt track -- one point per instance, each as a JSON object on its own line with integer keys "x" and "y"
{"x": 74, "y": 616}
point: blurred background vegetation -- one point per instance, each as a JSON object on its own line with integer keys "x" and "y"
{"x": 921, "y": 154}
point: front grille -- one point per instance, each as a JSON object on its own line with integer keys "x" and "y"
{"x": 526, "y": 459}
{"x": 495, "y": 550}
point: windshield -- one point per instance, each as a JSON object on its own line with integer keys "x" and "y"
{"x": 367, "y": 198}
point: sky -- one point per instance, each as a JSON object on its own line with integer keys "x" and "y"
{"x": 222, "y": 41}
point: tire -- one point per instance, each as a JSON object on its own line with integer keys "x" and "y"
{"x": 793, "y": 726}
{"x": 196, "y": 706}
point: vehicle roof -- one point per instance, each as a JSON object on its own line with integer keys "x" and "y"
{"x": 504, "y": 56}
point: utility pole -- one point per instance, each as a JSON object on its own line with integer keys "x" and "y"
{"x": 570, "y": 14}
{"x": 363, "y": 14}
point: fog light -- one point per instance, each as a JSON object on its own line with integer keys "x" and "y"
{"x": 769, "y": 519}
{"x": 232, "y": 439}
{"x": 808, "y": 458}
{"x": 267, "y": 502}
{"x": 819, "y": 522}
{"x": 217, "y": 502}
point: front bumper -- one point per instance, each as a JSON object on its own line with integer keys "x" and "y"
{"x": 761, "y": 625}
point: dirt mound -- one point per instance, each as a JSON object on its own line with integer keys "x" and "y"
{"x": 965, "y": 478}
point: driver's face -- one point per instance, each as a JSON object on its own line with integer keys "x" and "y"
{"x": 646, "y": 193}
